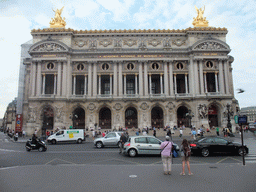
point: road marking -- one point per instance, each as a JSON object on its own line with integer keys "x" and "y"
{"x": 60, "y": 160}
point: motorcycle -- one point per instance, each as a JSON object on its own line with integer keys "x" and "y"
{"x": 40, "y": 145}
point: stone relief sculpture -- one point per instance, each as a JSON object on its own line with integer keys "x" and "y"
{"x": 166, "y": 44}
{"x": 144, "y": 106}
{"x": 32, "y": 114}
{"x": 154, "y": 42}
{"x": 53, "y": 47}
{"x": 130, "y": 42}
{"x": 142, "y": 44}
{"x": 93, "y": 45}
{"x": 117, "y": 106}
{"x": 210, "y": 46}
{"x": 202, "y": 111}
{"x": 118, "y": 118}
{"x": 170, "y": 106}
{"x": 59, "y": 114}
{"x": 106, "y": 42}
{"x": 144, "y": 117}
{"x": 91, "y": 106}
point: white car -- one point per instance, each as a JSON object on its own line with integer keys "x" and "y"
{"x": 111, "y": 139}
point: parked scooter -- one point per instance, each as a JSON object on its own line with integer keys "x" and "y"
{"x": 40, "y": 145}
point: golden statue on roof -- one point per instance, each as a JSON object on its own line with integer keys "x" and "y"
{"x": 58, "y": 21}
{"x": 200, "y": 20}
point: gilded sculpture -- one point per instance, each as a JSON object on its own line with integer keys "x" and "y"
{"x": 200, "y": 20}
{"x": 58, "y": 21}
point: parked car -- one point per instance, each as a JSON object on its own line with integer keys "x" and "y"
{"x": 111, "y": 139}
{"x": 210, "y": 145}
{"x": 144, "y": 145}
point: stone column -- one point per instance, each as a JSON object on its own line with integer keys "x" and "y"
{"x": 43, "y": 83}
{"x": 124, "y": 84}
{"x": 226, "y": 76}
{"x": 171, "y": 77}
{"x": 115, "y": 79}
{"x": 120, "y": 79}
{"x": 205, "y": 83}
{"x": 85, "y": 84}
{"x": 221, "y": 75}
{"x": 175, "y": 83}
{"x": 74, "y": 84}
{"x": 33, "y": 78}
{"x": 90, "y": 79}
{"x": 136, "y": 83}
{"x": 55, "y": 84}
{"x": 195, "y": 81}
{"x": 94, "y": 83}
{"x": 201, "y": 76}
{"x": 216, "y": 82}
{"x": 161, "y": 83}
{"x": 186, "y": 82}
{"x": 140, "y": 79}
{"x": 64, "y": 79}
{"x": 166, "y": 87}
{"x": 39, "y": 80}
{"x": 110, "y": 90}
{"x": 59, "y": 79}
{"x": 69, "y": 77}
{"x": 150, "y": 84}
{"x": 191, "y": 76}
{"x": 99, "y": 84}
{"x": 146, "y": 77}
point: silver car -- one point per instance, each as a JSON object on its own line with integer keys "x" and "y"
{"x": 111, "y": 139}
{"x": 143, "y": 145}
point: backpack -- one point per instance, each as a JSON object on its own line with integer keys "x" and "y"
{"x": 187, "y": 151}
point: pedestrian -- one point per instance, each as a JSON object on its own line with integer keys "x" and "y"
{"x": 194, "y": 134}
{"x": 217, "y": 131}
{"x": 154, "y": 133}
{"x": 166, "y": 155}
{"x": 137, "y": 133}
{"x": 103, "y": 134}
{"x": 93, "y": 134}
{"x": 185, "y": 148}
{"x": 122, "y": 142}
{"x": 23, "y": 133}
{"x": 36, "y": 132}
{"x": 181, "y": 132}
{"x": 169, "y": 132}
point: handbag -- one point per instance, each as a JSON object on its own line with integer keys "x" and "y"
{"x": 175, "y": 154}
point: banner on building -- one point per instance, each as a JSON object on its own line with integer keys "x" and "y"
{"x": 18, "y": 125}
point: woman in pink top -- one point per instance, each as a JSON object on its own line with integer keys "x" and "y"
{"x": 166, "y": 155}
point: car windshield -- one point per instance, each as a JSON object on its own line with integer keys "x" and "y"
{"x": 201, "y": 140}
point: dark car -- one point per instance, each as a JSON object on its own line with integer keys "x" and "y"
{"x": 210, "y": 145}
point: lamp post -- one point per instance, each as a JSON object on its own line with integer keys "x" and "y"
{"x": 229, "y": 114}
{"x": 189, "y": 115}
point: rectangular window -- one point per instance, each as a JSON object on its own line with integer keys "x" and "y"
{"x": 49, "y": 84}
{"x": 79, "y": 84}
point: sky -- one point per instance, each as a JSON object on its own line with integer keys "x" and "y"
{"x": 19, "y": 17}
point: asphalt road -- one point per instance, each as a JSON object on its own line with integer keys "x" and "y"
{"x": 14, "y": 154}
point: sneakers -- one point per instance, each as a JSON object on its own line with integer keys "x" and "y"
{"x": 182, "y": 174}
{"x": 190, "y": 174}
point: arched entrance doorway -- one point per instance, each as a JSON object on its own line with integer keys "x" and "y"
{"x": 48, "y": 117}
{"x": 181, "y": 116}
{"x": 157, "y": 117}
{"x": 78, "y": 118}
{"x": 105, "y": 118}
{"x": 213, "y": 116}
{"x": 131, "y": 118}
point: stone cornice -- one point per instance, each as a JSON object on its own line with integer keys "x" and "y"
{"x": 190, "y": 29}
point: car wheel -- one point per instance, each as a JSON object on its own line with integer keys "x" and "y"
{"x": 79, "y": 141}
{"x": 241, "y": 151}
{"x": 53, "y": 141}
{"x": 119, "y": 144}
{"x": 40, "y": 149}
{"x": 99, "y": 145}
{"x": 205, "y": 152}
{"x": 132, "y": 152}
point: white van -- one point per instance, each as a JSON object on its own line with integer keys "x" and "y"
{"x": 71, "y": 135}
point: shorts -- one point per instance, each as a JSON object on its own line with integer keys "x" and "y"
{"x": 184, "y": 158}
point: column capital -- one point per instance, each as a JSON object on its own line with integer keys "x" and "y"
{"x": 216, "y": 72}
{"x": 85, "y": 75}
{"x": 43, "y": 74}
{"x": 124, "y": 74}
{"x": 55, "y": 74}
{"x": 161, "y": 74}
{"x": 110, "y": 75}
{"x": 186, "y": 74}
{"x": 174, "y": 74}
{"x": 149, "y": 74}
{"x": 170, "y": 61}
{"x": 205, "y": 72}
{"x": 74, "y": 75}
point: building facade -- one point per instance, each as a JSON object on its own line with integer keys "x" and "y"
{"x": 9, "y": 120}
{"x": 127, "y": 78}
{"x": 250, "y": 112}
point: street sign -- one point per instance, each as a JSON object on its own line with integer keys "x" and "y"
{"x": 242, "y": 120}
{"x": 236, "y": 119}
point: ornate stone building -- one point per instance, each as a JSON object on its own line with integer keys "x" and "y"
{"x": 127, "y": 78}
